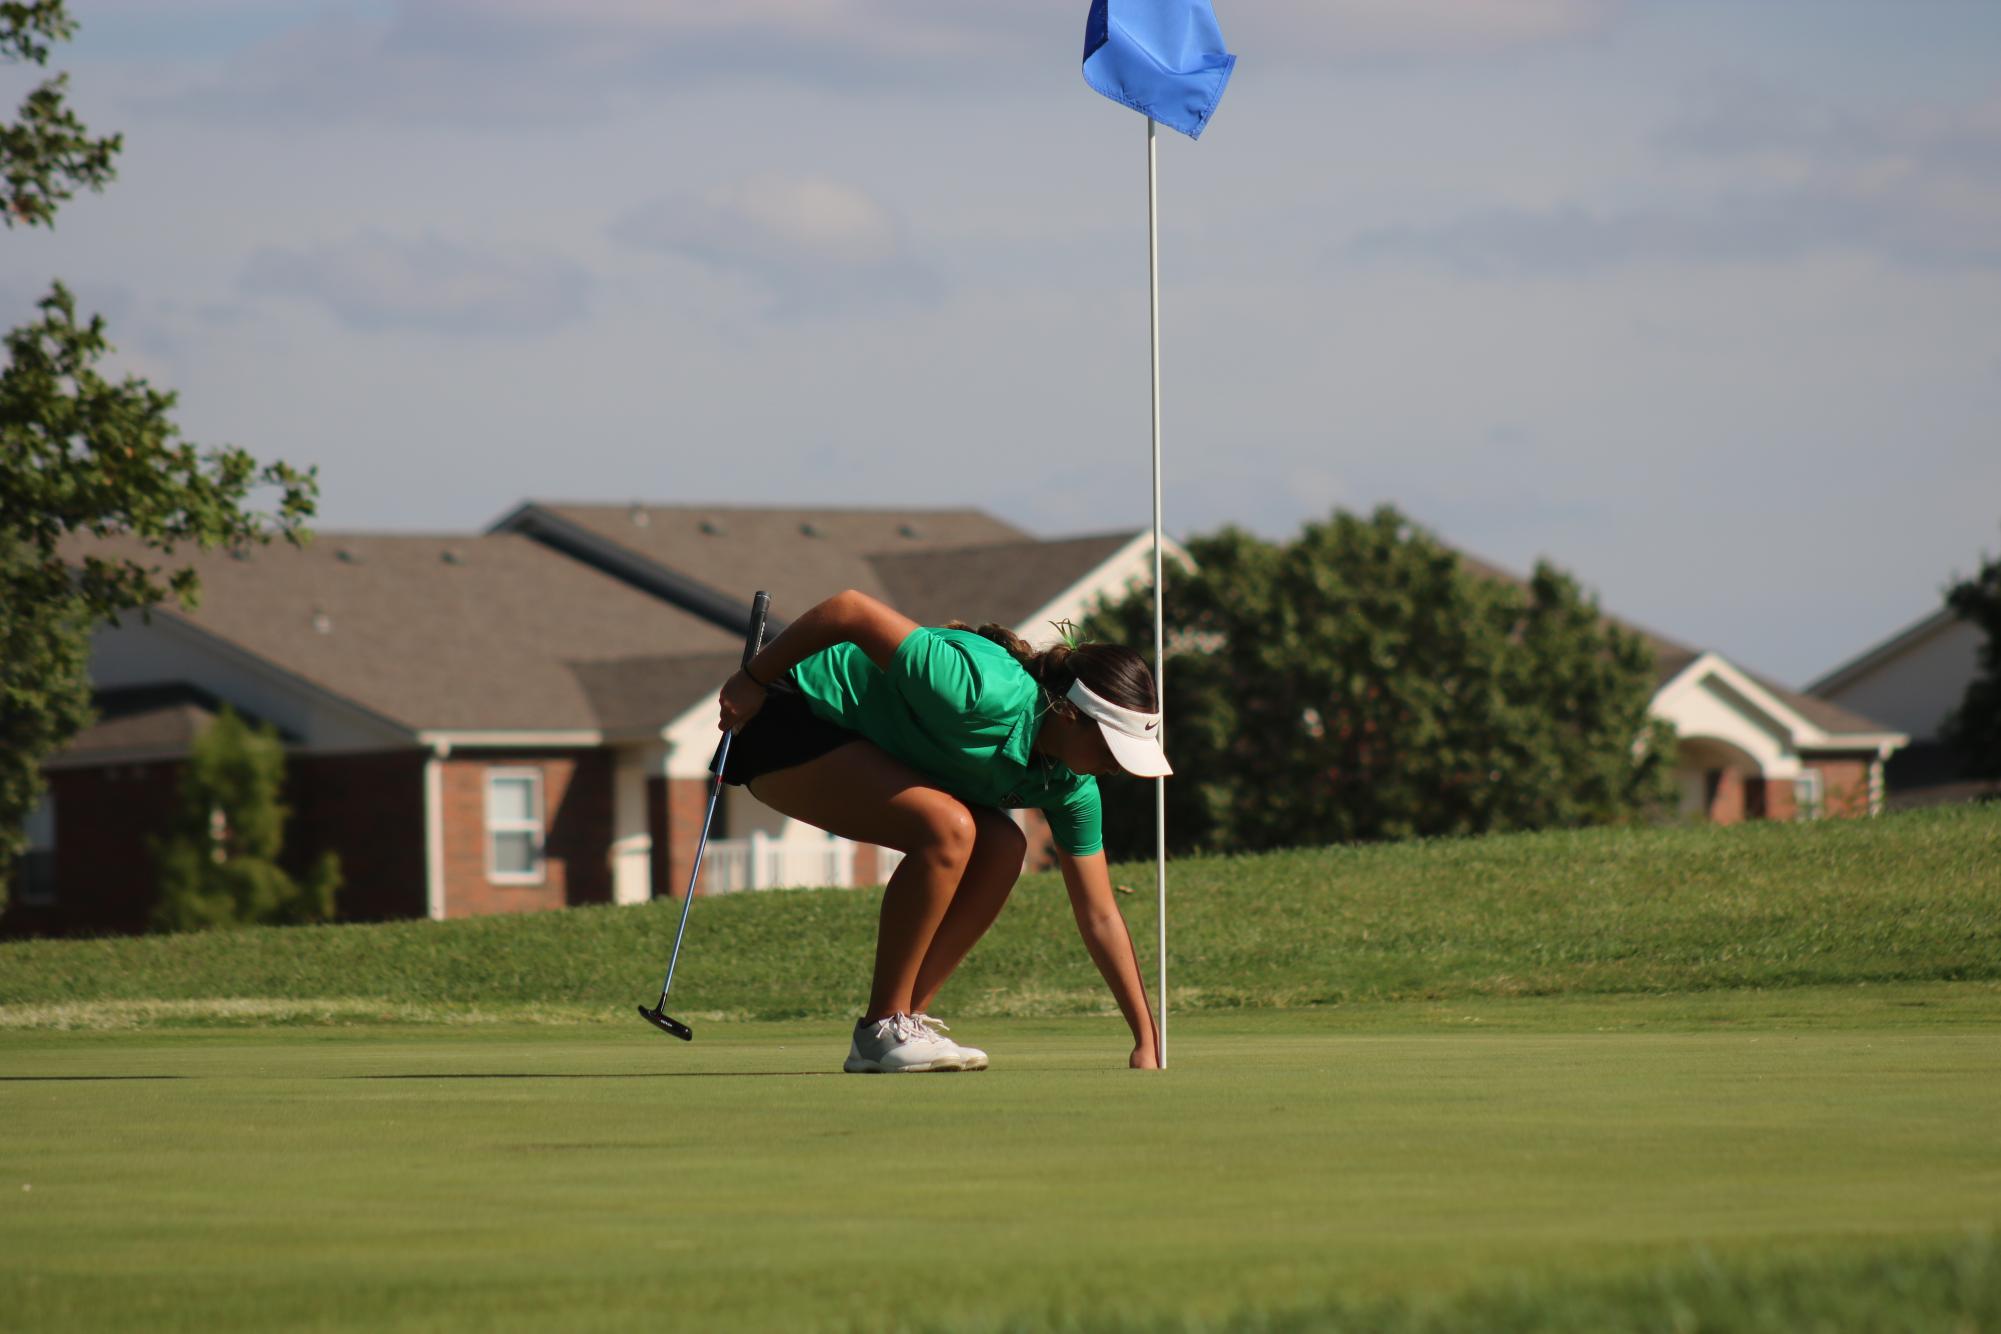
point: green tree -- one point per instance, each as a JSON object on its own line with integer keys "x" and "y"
{"x": 46, "y": 155}
{"x": 83, "y": 458}
{"x": 1359, "y": 683}
{"x": 1973, "y": 729}
{"x": 219, "y": 865}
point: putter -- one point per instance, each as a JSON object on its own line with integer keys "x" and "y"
{"x": 657, "y": 1016}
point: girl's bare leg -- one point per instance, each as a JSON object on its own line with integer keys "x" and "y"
{"x": 998, "y": 848}
{"x": 859, "y": 792}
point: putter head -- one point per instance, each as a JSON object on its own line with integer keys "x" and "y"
{"x": 667, "y": 1023}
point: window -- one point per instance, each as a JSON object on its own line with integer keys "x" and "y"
{"x": 1808, "y": 795}
{"x": 35, "y": 874}
{"x": 514, "y": 826}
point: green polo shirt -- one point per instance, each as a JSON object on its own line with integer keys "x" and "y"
{"x": 961, "y": 711}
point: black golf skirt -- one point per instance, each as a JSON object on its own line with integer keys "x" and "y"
{"x": 784, "y": 732}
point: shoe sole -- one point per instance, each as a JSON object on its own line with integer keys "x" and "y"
{"x": 853, "y": 1067}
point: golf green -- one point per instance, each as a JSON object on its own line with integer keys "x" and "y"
{"x": 601, "y": 1176}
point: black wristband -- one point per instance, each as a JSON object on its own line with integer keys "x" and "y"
{"x": 745, "y": 669}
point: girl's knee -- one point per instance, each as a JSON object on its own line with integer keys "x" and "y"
{"x": 947, "y": 829}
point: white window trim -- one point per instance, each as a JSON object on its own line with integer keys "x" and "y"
{"x": 1814, "y": 807}
{"x": 537, "y": 826}
{"x": 40, "y": 840}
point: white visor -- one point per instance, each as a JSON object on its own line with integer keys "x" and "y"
{"x": 1133, "y": 736}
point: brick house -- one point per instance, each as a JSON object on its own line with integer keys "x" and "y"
{"x": 462, "y": 715}
{"x": 934, "y": 565}
{"x": 1747, "y": 747}
{"x": 523, "y": 719}
{"x": 491, "y": 723}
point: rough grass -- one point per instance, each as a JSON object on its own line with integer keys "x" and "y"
{"x": 1908, "y": 898}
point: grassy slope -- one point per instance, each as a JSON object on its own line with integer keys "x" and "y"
{"x": 1907, "y": 898}
{"x": 1296, "y": 1170}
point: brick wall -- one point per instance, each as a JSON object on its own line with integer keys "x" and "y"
{"x": 674, "y": 811}
{"x": 577, "y": 828}
{"x": 1769, "y": 799}
{"x": 1726, "y": 796}
{"x": 1844, "y": 792}
{"x": 368, "y": 809}
{"x": 867, "y": 864}
{"x": 103, "y": 866}
{"x": 1844, "y": 784}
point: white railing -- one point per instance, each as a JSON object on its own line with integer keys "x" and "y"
{"x": 764, "y": 862}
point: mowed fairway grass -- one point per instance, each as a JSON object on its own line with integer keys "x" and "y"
{"x": 1428, "y": 1157}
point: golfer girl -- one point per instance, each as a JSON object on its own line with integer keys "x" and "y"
{"x": 861, "y": 722}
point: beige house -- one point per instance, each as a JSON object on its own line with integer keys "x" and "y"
{"x": 1749, "y": 748}
{"x": 1913, "y": 680}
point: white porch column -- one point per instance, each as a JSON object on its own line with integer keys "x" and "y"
{"x": 631, "y": 834}
{"x": 434, "y": 831}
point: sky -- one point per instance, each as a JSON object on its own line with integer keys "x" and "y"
{"x": 1700, "y": 301}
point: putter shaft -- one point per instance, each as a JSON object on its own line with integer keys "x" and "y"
{"x": 753, "y": 641}
{"x": 701, "y": 847}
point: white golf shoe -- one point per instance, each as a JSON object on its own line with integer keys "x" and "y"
{"x": 899, "y": 1045}
{"x": 972, "y": 1058}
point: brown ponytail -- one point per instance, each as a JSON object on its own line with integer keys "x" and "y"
{"x": 1110, "y": 670}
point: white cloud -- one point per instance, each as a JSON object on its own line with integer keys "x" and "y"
{"x": 1780, "y": 227}
{"x": 1914, "y": 187}
{"x": 1406, "y": 30}
{"x": 376, "y": 282}
{"x": 1798, "y": 133}
{"x": 506, "y": 63}
{"x": 811, "y": 242}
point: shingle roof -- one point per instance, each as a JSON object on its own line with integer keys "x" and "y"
{"x": 649, "y": 690}
{"x": 1671, "y": 659}
{"x": 1829, "y": 718}
{"x": 1004, "y": 582}
{"x": 146, "y": 720}
{"x": 800, "y": 556}
{"x": 444, "y": 633}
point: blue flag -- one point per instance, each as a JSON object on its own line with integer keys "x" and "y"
{"x": 1163, "y": 58}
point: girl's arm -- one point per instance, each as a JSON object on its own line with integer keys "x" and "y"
{"x": 1111, "y": 945}
{"x": 845, "y": 618}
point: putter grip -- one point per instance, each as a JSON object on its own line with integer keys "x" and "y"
{"x": 753, "y": 636}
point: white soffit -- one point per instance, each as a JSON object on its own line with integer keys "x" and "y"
{"x": 1714, "y": 673}
{"x": 447, "y": 741}
{"x": 1132, "y": 561}
{"x": 368, "y": 729}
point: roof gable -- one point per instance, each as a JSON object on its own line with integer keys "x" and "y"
{"x": 1671, "y": 660}
{"x": 1004, "y": 582}
{"x": 1911, "y": 638}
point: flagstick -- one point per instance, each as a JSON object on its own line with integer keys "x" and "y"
{"x": 1159, "y": 617}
